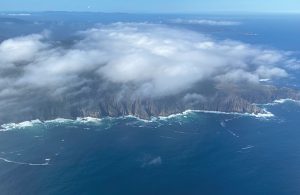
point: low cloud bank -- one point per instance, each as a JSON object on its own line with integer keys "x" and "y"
{"x": 145, "y": 60}
{"x": 205, "y": 22}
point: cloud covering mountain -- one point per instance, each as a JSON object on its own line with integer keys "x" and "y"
{"x": 128, "y": 59}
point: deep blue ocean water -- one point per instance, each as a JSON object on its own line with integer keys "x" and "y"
{"x": 194, "y": 153}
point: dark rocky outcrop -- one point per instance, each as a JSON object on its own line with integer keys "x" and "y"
{"x": 99, "y": 105}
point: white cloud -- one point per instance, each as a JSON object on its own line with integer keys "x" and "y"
{"x": 20, "y": 49}
{"x": 194, "y": 98}
{"x": 271, "y": 72}
{"x": 293, "y": 64}
{"x": 238, "y": 76}
{"x": 205, "y": 22}
{"x": 150, "y": 60}
{"x": 19, "y": 14}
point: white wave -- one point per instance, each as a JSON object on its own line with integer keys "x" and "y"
{"x": 22, "y": 125}
{"x": 233, "y": 118}
{"x": 266, "y": 113}
{"x": 32, "y": 123}
{"x": 176, "y": 115}
{"x": 88, "y": 120}
{"x": 59, "y": 120}
{"x": 223, "y": 124}
{"x": 182, "y": 114}
{"x": 180, "y": 132}
{"x": 46, "y": 163}
{"x": 79, "y": 120}
{"x": 91, "y": 120}
{"x": 155, "y": 161}
{"x": 247, "y": 147}
{"x": 167, "y": 137}
{"x": 281, "y": 101}
{"x": 234, "y": 134}
{"x": 140, "y": 119}
{"x": 152, "y": 161}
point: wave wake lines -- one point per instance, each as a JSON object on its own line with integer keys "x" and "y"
{"x": 46, "y": 163}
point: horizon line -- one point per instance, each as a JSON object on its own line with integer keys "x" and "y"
{"x": 155, "y": 13}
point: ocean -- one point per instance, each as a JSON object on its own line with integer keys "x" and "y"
{"x": 188, "y": 153}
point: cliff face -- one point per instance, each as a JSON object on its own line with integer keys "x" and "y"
{"x": 240, "y": 101}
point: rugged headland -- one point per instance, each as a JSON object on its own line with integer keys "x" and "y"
{"x": 238, "y": 100}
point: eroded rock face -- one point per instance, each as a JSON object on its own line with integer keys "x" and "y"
{"x": 102, "y": 105}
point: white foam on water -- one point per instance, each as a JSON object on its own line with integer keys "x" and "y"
{"x": 46, "y": 163}
{"x": 266, "y": 114}
{"x": 156, "y": 161}
{"x": 91, "y": 120}
{"x": 281, "y": 101}
{"x": 232, "y": 133}
{"x": 223, "y": 124}
{"x": 32, "y": 123}
{"x": 167, "y": 137}
{"x": 59, "y": 120}
{"x": 88, "y": 120}
{"x": 180, "y": 132}
{"x": 22, "y": 125}
{"x": 248, "y": 147}
{"x": 139, "y": 119}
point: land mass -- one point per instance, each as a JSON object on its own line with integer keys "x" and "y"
{"x": 230, "y": 99}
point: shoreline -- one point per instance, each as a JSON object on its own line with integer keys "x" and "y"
{"x": 85, "y": 120}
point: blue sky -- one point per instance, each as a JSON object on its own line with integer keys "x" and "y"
{"x": 152, "y": 6}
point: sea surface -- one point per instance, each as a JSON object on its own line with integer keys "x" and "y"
{"x": 186, "y": 154}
